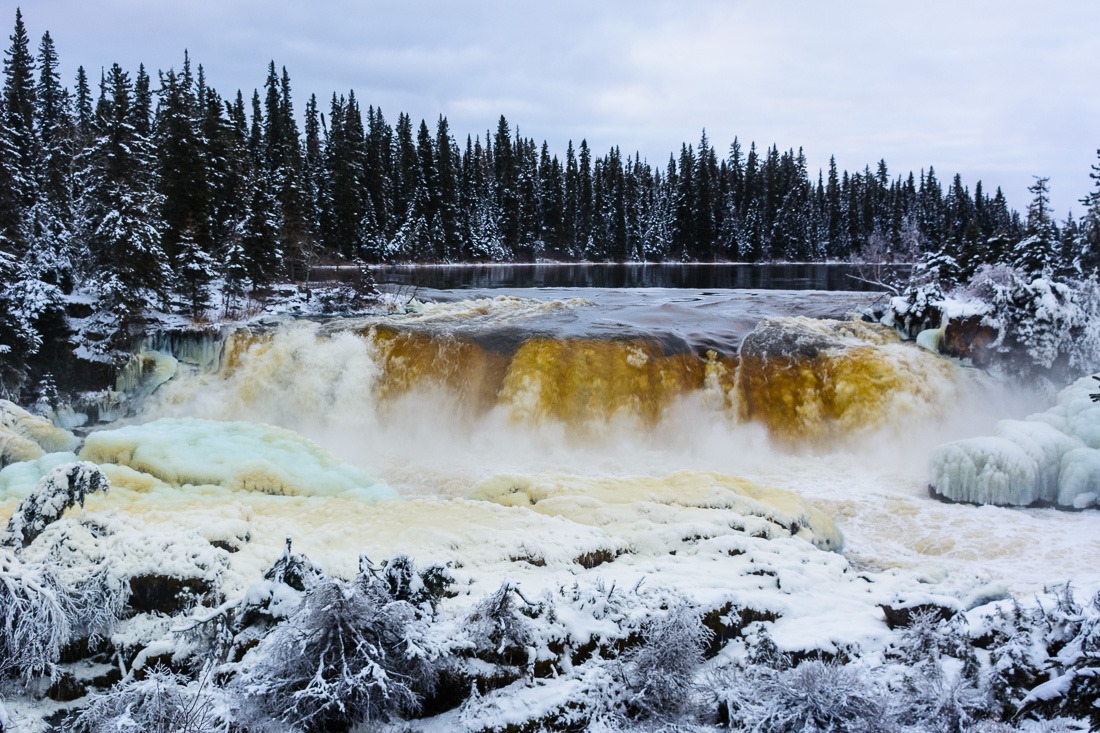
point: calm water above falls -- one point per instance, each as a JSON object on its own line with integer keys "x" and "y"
{"x": 706, "y": 276}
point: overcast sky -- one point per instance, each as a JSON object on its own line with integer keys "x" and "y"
{"x": 997, "y": 90}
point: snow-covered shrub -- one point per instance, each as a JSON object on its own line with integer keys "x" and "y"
{"x": 34, "y": 623}
{"x": 811, "y": 697}
{"x": 79, "y": 556}
{"x": 1070, "y": 630}
{"x": 424, "y": 589}
{"x": 293, "y": 570}
{"x": 661, "y": 670}
{"x": 348, "y": 654}
{"x": 917, "y": 309}
{"x": 934, "y": 699}
{"x": 63, "y": 487}
{"x": 500, "y": 628}
{"x": 929, "y": 635}
{"x": 588, "y": 698}
{"x": 160, "y": 702}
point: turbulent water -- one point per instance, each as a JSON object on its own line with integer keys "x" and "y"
{"x": 593, "y": 384}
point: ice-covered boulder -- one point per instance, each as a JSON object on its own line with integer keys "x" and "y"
{"x": 1051, "y": 457}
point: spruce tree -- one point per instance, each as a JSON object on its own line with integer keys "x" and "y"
{"x": 447, "y": 181}
{"x": 18, "y": 143}
{"x": 1088, "y": 251}
{"x": 182, "y": 176}
{"x": 585, "y": 200}
{"x": 1037, "y": 252}
{"x": 705, "y": 200}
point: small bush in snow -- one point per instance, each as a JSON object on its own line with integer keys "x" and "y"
{"x": 1070, "y": 631}
{"x": 917, "y": 309}
{"x": 661, "y": 670}
{"x": 161, "y": 702}
{"x": 814, "y": 697}
{"x": 424, "y": 589}
{"x": 347, "y": 655}
{"x": 500, "y": 627}
{"x": 63, "y": 487}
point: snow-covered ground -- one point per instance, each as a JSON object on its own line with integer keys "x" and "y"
{"x": 354, "y": 443}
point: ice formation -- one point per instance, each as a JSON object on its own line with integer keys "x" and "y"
{"x": 1051, "y": 457}
{"x": 686, "y": 503}
{"x": 239, "y": 456}
{"x": 24, "y": 437}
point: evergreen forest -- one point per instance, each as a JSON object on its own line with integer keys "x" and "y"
{"x": 134, "y": 193}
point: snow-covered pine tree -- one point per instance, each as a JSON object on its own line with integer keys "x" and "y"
{"x": 182, "y": 179}
{"x": 1089, "y": 243}
{"x": 1037, "y": 253}
{"x": 65, "y": 486}
{"x": 194, "y": 270}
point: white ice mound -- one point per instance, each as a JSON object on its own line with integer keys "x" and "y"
{"x": 239, "y": 456}
{"x": 1052, "y": 457}
{"x": 658, "y": 514}
{"x": 25, "y": 437}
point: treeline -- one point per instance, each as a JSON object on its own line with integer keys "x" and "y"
{"x": 143, "y": 193}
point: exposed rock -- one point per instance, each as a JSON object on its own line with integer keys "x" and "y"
{"x": 66, "y": 688}
{"x": 969, "y": 338}
{"x": 167, "y": 595}
{"x": 728, "y": 622}
{"x": 900, "y": 616}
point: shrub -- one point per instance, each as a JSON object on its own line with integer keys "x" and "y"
{"x": 34, "y": 623}
{"x": 816, "y": 696}
{"x": 349, "y": 654}
{"x": 661, "y": 670}
{"x": 161, "y": 702}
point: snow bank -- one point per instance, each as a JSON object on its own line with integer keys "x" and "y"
{"x": 1048, "y": 458}
{"x": 238, "y": 456}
